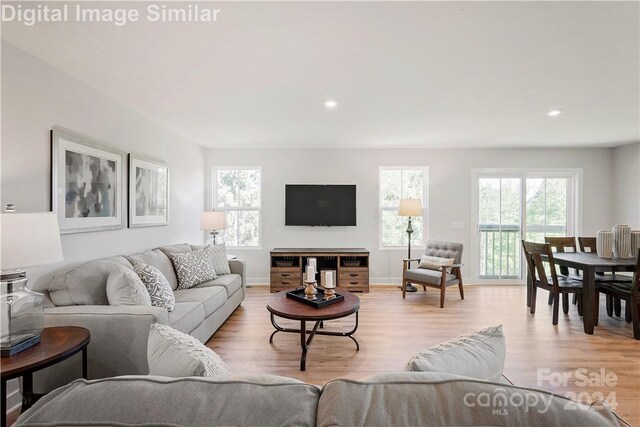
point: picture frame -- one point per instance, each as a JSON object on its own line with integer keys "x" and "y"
{"x": 87, "y": 184}
{"x": 148, "y": 192}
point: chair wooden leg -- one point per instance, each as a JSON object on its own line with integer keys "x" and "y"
{"x": 609, "y": 306}
{"x": 575, "y": 299}
{"x": 617, "y": 307}
{"x": 580, "y": 305}
{"x": 461, "y": 290}
{"x": 443, "y": 289}
{"x": 424, "y": 288}
{"x": 550, "y": 298}
{"x": 627, "y": 311}
{"x": 534, "y": 291}
{"x": 556, "y": 308}
{"x": 596, "y": 308}
{"x": 565, "y": 303}
{"x": 635, "y": 315}
{"x": 404, "y": 287}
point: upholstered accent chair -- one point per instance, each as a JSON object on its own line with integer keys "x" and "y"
{"x": 446, "y": 276}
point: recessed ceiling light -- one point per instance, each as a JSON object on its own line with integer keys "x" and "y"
{"x": 331, "y": 103}
{"x": 554, "y": 113}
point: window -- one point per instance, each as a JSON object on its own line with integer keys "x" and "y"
{"x": 398, "y": 183}
{"x": 237, "y": 191}
{"x": 515, "y": 206}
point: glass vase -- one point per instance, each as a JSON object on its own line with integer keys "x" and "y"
{"x": 22, "y": 312}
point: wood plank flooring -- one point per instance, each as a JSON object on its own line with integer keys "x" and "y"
{"x": 392, "y": 330}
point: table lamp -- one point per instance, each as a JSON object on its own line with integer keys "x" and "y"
{"x": 409, "y": 208}
{"x": 27, "y": 240}
{"x": 213, "y": 221}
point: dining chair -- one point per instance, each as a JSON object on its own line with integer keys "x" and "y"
{"x": 613, "y": 305}
{"x": 564, "y": 244}
{"x": 627, "y": 291}
{"x": 552, "y": 283}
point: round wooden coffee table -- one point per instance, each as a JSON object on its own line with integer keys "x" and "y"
{"x": 56, "y": 344}
{"x": 281, "y": 306}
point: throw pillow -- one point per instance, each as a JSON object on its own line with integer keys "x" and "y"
{"x": 479, "y": 355}
{"x": 124, "y": 287}
{"x": 172, "y": 353}
{"x": 219, "y": 258}
{"x": 194, "y": 267}
{"x": 434, "y": 262}
{"x": 159, "y": 288}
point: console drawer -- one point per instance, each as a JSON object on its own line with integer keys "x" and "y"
{"x": 354, "y": 275}
{"x": 285, "y": 279}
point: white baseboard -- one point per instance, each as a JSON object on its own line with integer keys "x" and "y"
{"x": 375, "y": 281}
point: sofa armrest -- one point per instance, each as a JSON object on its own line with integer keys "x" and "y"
{"x": 118, "y": 345}
{"x": 237, "y": 266}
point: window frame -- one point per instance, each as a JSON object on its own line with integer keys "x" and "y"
{"x": 425, "y": 207}
{"x": 574, "y": 209}
{"x": 214, "y": 201}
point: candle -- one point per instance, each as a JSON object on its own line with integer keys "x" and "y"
{"x": 313, "y": 262}
{"x": 311, "y": 273}
{"x": 329, "y": 279}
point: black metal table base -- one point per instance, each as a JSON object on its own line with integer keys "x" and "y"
{"x": 305, "y": 342}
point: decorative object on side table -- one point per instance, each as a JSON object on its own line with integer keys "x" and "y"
{"x": 329, "y": 283}
{"x": 621, "y": 241}
{"x": 310, "y": 291}
{"x": 28, "y": 240}
{"x": 409, "y": 208}
{"x": 635, "y": 242}
{"x": 213, "y": 222}
{"x": 148, "y": 192}
{"x": 87, "y": 189}
{"x": 604, "y": 244}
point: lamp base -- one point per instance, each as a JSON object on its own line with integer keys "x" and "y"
{"x": 21, "y": 346}
{"x": 411, "y": 288}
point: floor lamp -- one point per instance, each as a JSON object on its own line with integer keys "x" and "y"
{"x": 409, "y": 208}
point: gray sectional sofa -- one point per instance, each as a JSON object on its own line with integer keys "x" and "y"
{"x": 77, "y": 296}
{"x": 394, "y": 399}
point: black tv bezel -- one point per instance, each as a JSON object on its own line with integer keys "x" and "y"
{"x": 355, "y": 222}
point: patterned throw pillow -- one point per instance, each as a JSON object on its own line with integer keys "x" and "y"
{"x": 172, "y": 353}
{"x": 220, "y": 261}
{"x": 194, "y": 267}
{"x": 157, "y": 285}
{"x": 124, "y": 287}
{"x": 434, "y": 262}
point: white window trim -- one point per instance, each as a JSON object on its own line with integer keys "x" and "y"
{"x": 425, "y": 208}
{"x": 574, "y": 216}
{"x": 214, "y": 201}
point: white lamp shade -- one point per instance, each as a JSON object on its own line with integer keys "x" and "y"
{"x": 29, "y": 239}
{"x": 410, "y": 207}
{"x": 213, "y": 220}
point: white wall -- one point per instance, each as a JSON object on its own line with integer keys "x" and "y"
{"x": 626, "y": 185}
{"x": 36, "y": 97}
{"x": 449, "y": 194}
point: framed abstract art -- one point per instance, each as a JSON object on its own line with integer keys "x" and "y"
{"x": 148, "y": 192}
{"x": 87, "y": 184}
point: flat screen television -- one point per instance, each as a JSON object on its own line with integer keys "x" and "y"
{"x": 320, "y": 205}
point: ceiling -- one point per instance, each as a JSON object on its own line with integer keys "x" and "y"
{"x": 404, "y": 74}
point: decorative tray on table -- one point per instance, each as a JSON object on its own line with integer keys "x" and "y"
{"x": 319, "y": 301}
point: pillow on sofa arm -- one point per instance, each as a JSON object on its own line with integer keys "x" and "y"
{"x": 478, "y": 355}
{"x": 172, "y": 353}
{"x": 124, "y": 287}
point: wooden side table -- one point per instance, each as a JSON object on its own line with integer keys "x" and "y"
{"x": 56, "y": 344}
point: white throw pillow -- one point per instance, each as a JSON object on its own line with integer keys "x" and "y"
{"x": 434, "y": 262}
{"x": 172, "y": 353}
{"x": 124, "y": 287}
{"x": 193, "y": 268}
{"x": 159, "y": 288}
{"x": 219, "y": 259}
{"x": 479, "y": 355}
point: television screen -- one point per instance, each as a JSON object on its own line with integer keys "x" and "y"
{"x": 320, "y": 205}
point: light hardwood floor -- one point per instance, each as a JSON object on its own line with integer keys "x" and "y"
{"x": 392, "y": 330}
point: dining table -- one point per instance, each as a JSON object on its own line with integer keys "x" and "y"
{"x": 589, "y": 263}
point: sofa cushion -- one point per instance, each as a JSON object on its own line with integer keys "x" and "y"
{"x": 231, "y": 283}
{"x": 124, "y": 287}
{"x": 439, "y": 402}
{"x": 156, "y": 258}
{"x": 219, "y": 259}
{"x": 478, "y": 355}
{"x": 151, "y": 400}
{"x": 429, "y": 276}
{"x": 186, "y": 316}
{"x": 157, "y": 285}
{"x": 82, "y": 284}
{"x": 179, "y": 248}
{"x": 193, "y": 267}
{"x": 175, "y": 354}
{"x": 211, "y": 298}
